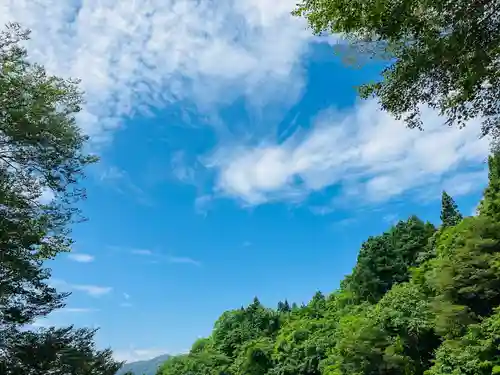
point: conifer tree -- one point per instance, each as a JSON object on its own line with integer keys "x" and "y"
{"x": 490, "y": 205}
{"x": 450, "y": 215}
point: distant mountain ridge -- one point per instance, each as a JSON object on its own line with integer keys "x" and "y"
{"x": 148, "y": 367}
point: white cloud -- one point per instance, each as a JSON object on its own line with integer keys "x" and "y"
{"x": 183, "y": 260}
{"x": 91, "y": 290}
{"x": 180, "y": 169}
{"x": 133, "y": 355}
{"x": 391, "y": 218}
{"x": 341, "y": 224}
{"x": 120, "y": 181}
{"x": 372, "y": 156}
{"x": 465, "y": 183}
{"x": 47, "y": 196}
{"x": 141, "y": 252}
{"x": 202, "y": 204}
{"x": 133, "y": 56}
{"x": 81, "y": 258}
{"x": 80, "y": 310}
{"x": 126, "y": 304}
{"x": 158, "y": 257}
{"x": 40, "y": 323}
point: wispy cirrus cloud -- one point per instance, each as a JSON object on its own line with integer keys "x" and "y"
{"x": 365, "y": 152}
{"x": 91, "y": 290}
{"x": 120, "y": 181}
{"x": 142, "y": 252}
{"x": 77, "y": 310}
{"x": 137, "y": 56}
{"x": 160, "y": 257}
{"x": 127, "y": 302}
{"x": 81, "y": 258}
{"x": 40, "y": 323}
{"x": 182, "y": 260}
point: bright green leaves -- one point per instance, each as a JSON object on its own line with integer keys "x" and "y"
{"x": 203, "y": 363}
{"x": 490, "y": 204}
{"x": 255, "y": 357}
{"x": 386, "y": 259}
{"x": 203, "y": 344}
{"x": 466, "y": 270}
{"x": 477, "y": 352}
{"x": 236, "y": 327}
{"x": 393, "y": 337}
{"x": 302, "y": 344}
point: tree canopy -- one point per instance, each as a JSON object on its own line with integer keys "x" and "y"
{"x": 440, "y": 53}
{"x": 42, "y": 161}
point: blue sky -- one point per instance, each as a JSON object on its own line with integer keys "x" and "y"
{"x": 236, "y": 161}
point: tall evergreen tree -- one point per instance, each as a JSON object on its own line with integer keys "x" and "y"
{"x": 490, "y": 204}
{"x": 450, "y": 216}
{"x": 284, "y": 307}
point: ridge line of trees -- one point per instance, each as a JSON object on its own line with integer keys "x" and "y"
{"x": 421, "y": 300}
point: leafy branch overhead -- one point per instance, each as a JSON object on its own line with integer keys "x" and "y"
{"x": 440, "y": 53}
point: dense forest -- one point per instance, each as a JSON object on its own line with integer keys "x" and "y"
{"x": 420, "y": 300}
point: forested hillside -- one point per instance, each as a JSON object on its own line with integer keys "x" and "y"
{"x": 420, "y": 300}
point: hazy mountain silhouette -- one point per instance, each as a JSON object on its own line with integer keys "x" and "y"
{"x": 148, "y": 367}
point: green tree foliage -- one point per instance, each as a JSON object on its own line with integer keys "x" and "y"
{"x": 477, "y": 352}
{"x": 255, "y": 357}
{"x": 386, "y": 259}
{"x": 450, "y": 215}
{"x": 302, "y": 344}
{"x": 445, "y": 54}
{"x": 201, "y": 345}
{"x": 490, "y": 204}
{"x": 419, "y": 301}
{"x": 204, "y": 363}
{"x": 59, "y": 351}
{"x": 235, "y": 328}
{"x": 395, "y": 335}
{"x": 284, "y": 307}
{"x": 41, "y": 156}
